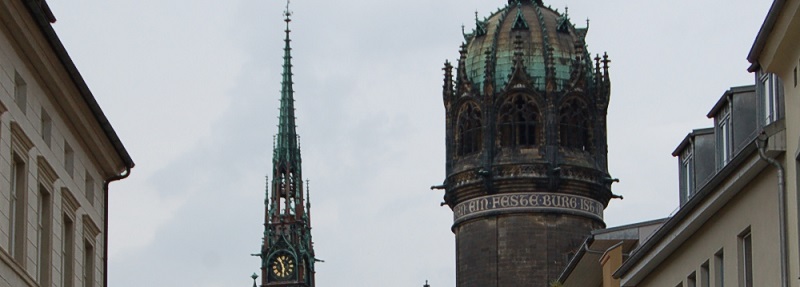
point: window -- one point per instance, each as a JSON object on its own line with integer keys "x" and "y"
{"x": 518, "y": 122}
{"x": 770, "y": 91}
{"x": 724, "y": 140}
{"x": 469, "y": 130}
{"x": 687, "y": 174}
{"x": 20, "y": 92}
{"x": 67, "y": 251}
{"x": 574, "y": 120}
{"x": 47, "y": 127}
{"x": 691, "y": 281}
{"x": 746, "y": 259}
{"x": 88, "y": 264}
{"x": 17, "y": 208}
{"x": 705, "y": 280}
{"x": 89, "y": 188}
{"x": 44, "y": 235}
{"x": 69, "y": 159}
{"x": 719, "y": 269}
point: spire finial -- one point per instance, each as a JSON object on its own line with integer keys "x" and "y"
{"x": 287, "y": 12}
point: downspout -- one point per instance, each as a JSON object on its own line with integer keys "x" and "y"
{"x": 105, "y": 220}
{"x": 761, "y": 145}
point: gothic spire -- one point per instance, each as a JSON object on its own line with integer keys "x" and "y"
{"x": 287, "y": 150}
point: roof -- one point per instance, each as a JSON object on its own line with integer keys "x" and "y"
{"x": 724, "y": 98}
{"x": 585, "y": 264}
{"x": 685, "y": 142}
{"x": 697, "y": 204}
{"x": 763, "y": 34}
{"x": 42, "y": 15}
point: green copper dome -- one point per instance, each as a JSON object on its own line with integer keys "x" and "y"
{"x": 548, "y": 44}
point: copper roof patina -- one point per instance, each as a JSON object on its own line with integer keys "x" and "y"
{"x": 550, "y": 44}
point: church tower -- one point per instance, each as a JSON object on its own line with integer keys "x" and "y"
{"x": 287, "y": 251}
{"x": 526, "y": 171}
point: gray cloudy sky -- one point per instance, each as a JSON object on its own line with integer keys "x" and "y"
{"x": 192, "y": 89}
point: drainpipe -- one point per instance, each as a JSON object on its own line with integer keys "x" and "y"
{"x": 105, "y": 220}
{"x": 761, "y": 145}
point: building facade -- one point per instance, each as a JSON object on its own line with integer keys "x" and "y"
{"x": 287, "y": 250}
{"x": 58, "y": 154}
{"x": 775, "y": 59}
{"x": 738, "y": 221}
{"x": 526, "y": 171}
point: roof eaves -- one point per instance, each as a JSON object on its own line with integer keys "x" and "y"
{"x": 575, "y": 259}
{"x": 42, "y": 16}
{"x": 685, "y": 210}
{"x": 763, "y": 33}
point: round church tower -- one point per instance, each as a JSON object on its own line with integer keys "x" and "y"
{"x": 527, "y": 173}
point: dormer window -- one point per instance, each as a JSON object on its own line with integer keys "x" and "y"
{"x": 687, "y": 183}
{"x": 724, "y": 140}
{"x": 770, "y": 94}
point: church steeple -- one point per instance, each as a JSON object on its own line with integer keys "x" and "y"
{"x": 287, "y": 171}
{"x": 287, "y": 252}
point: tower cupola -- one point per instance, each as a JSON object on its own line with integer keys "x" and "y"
{"x": 526, "y": 145}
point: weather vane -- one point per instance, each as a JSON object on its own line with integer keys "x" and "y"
{"x": 287, "y": 13}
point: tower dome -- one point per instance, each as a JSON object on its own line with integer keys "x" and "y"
{"x": 549, "y": 46}
{"x": 526, "y": 146}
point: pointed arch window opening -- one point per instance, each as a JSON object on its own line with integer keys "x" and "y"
{"x": 574, "y": 126}
{"x": 469, "y": 130}
{"x": 519, "y": 122}
{"x": 285, "y": 187}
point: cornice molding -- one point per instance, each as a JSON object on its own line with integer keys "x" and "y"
{"x": 19, "y": 138}
{"x": 47, "y": 175}
{"x": 90, "y": 229}
{"x": 69, "y": 201}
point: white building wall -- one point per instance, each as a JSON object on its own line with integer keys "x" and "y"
{"x": 41, "y": 96}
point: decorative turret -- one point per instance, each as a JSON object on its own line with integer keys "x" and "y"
{"x": 287, "y": 252}
{"x": 526, "y": 145}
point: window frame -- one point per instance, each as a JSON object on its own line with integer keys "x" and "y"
{"x": 519, "y": 122}
{"x": 469, "y": 130}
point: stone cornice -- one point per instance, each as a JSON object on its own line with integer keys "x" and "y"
{"x": 69, "y": 202}
{"x": 47, "y": 175}
{"x": 90, "y": 229}
{"x": 19, "y": 138}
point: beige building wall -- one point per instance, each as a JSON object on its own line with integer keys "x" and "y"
{"x": 781, "y": 55}
{"x": 48, "y": 130}
{"x": 753, "y": 210}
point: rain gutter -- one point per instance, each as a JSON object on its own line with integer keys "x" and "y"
{"x": 761, "y": 144}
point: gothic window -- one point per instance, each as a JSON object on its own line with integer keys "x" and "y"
{"x": 469, "y": 130}
{"x": 518, "y": 122}
{"x": 574, "y": 119}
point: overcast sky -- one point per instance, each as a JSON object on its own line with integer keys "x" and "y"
{"x": 192, "y": 89}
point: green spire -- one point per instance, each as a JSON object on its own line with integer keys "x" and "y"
{"x": 287, "y": 181}
{"x": 287, "y": 149}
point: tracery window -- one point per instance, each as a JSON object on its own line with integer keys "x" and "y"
{"x": 519, "y": 122}
{"x": 574, "y": 119}
{"x": 469, "y": 130}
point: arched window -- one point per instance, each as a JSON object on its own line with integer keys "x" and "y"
{"x": 518, "y": 122}
{"x": 469, "y": 130}
{"x": 574, "y": 119}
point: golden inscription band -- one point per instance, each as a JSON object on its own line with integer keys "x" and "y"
{"x": 527, "y": 202}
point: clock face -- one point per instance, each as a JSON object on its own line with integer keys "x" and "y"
{"x": 282, "y": 266}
